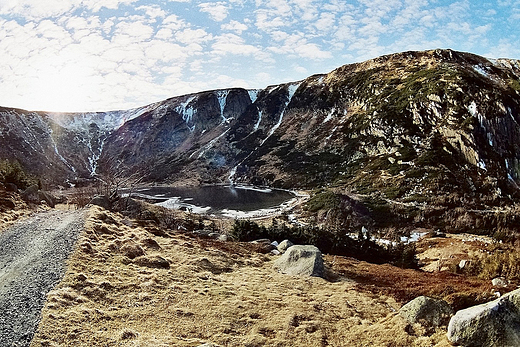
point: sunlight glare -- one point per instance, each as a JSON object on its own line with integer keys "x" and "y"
{"x": 65, "y": 88}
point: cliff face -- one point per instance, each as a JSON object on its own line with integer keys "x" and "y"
{"x": 407, "y": 125}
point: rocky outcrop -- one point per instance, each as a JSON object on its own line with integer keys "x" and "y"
{"x": 494, "y": 324}
{"x": 427, "y": 311}
{"x": 301, "y": 261}
{"x": 33, "y": 195}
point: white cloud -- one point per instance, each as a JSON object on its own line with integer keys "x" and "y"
{"x": 37, "y": 9}
{"x": 97, "y": 5}
{"x": 193, "y": 36}
{"x": 152, "y": 11}
{"x": 297, "y": 46}
{"x": 234, "y": 26}
{"x": 326, "y": 22}
{"x": 233, "y": 44}
{"x": 218, "y": 11}
{"x": 135, "y": 31}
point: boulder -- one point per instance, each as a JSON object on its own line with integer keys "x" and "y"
{"x": 282, "y": 247}
{"x": 31, "y": 194}
{"x": 263, "y": 245}
{"x": 102, "y": 201}
{"x": 152, "y": 261}
{"x": 214, "y": 236}
{"x": 496, "y": 323}
{"x": 132, "y": 250}
{"x": 301, "y": 261}
{"x": 202, "y": 233}
{"x": 11, "y": 187}
{"x": 427, "y": 311}
{"x": 49, "y": 199}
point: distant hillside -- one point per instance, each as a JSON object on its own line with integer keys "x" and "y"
{"x": 410, "y": 127}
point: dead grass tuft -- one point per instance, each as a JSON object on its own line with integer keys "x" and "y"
{"x": 127, "y": 334}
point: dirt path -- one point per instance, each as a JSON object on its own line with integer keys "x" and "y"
{"x": 32, "y": 262}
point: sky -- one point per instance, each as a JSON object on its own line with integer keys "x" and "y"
{"x": 101, "y": 55}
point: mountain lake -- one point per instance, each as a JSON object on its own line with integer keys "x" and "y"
{"x": 227, "y": 201}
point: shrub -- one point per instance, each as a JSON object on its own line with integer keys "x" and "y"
{"x": 328, "y": 241}
{"x": 13, "y": 172}
{"x": 501, "y": 263}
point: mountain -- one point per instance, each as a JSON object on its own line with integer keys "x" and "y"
{"x": 411, "y": 127}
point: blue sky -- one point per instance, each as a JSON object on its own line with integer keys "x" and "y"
{"x": 86, "y": 55}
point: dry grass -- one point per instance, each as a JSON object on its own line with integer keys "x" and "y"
{"x": 182, "y": 291}
{"x": 13, "y": 208}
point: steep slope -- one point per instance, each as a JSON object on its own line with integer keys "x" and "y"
{"x": 415, "y": 126}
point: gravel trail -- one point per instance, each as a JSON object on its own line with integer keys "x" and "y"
{"x": 32, "y": 261}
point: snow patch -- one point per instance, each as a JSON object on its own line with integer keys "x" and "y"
{"x": 291, "y": 90}
{"x": 253, "y": 94}
{"x": 222, "y": 97}
{"x": 257, "y": 124}
{"x": 211, "y": 143}
{"x": 232, "y": 174}
{"x": 187, "y": 112}
{"x": 472, "y": 108}
{"x": 481, "y": 70}
{"x": 330, "y": 115}
{"x": 177, "y": 204}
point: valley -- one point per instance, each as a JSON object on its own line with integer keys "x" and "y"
{"x": 353, "y": 161}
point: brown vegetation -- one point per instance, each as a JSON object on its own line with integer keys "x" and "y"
{"x": 128, "y": 285}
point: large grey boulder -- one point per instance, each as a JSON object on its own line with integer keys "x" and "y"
{"x": 301, "y": 261}
{"x": 47, "y": 197}
{"x": 496, "y": 323}
{"x": 31, "y": 194}
{"x": 427, "y": 311}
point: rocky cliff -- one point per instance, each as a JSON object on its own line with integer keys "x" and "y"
{"x": 409, "y": 127}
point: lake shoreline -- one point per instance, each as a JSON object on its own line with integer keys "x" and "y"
{"x": 187, "y": 198}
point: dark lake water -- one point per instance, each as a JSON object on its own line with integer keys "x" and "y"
{"x": 217, "y": 199}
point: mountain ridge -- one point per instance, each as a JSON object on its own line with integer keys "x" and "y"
{"x": 404, "y": 125}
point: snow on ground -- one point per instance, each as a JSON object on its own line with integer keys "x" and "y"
{"x": 292, "y": 89}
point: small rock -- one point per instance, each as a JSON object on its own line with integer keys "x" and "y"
{"x": 202, "y": 233}
{"x": 463, "y": 263}
{"x": 223, "y": 238}
{"x": 499, "y": 282}
{"x": 282, "y": 247}
{"x": 150, "y": 243}
{"x": 261, "y": 241}
{"x": 274, "y": 243}
{"x": 428, "y": 311}
{"x": 214, "y": 236}
{"x": 153, "y": 261}
{"x": 301, "y": 261}
{"x": 132, "y": 250}
{"x": 275, "y": 252}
